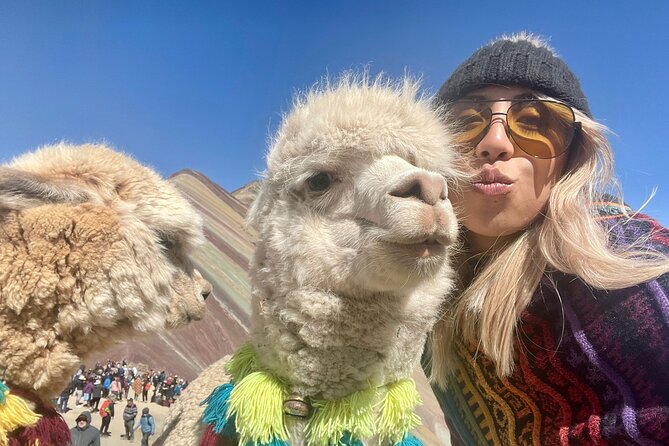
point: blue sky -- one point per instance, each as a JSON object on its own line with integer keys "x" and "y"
{"x": 203, "y": 84}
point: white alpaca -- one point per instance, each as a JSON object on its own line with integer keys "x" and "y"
{"x": 351, "y": 264}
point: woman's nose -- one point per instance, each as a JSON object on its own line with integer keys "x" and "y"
{"x": 496, "y": 144}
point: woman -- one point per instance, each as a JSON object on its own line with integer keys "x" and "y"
{"x": 137, "y": 386}
{"x": 559, "y": 333}
{"x": 115, "y": 388}
{"x": 88, "y": 389}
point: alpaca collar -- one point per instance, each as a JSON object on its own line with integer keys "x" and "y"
{"x": 20, "y": 425}
{"x": 251, "y": 406}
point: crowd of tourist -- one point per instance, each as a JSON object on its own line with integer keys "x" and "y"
{"x": 121, "y": 381}
{"x": 100, "y": 388}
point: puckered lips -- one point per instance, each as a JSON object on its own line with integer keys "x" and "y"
{"x": 492, "y": 182}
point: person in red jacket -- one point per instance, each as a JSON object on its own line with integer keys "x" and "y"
{"x": 107, "y": 414}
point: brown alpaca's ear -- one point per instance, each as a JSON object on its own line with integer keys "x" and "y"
{"x": 22, "y": 190}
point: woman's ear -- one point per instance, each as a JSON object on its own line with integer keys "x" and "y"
{"x": 22, "y": 190}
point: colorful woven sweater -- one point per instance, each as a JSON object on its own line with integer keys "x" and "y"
{"x": 593, "y": 367}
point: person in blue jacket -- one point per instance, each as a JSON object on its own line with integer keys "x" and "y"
{"x": 147, "y": 425}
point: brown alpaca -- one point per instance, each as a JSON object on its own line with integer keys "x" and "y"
{"x": 93, "y": 250}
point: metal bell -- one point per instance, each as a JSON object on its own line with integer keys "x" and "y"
{"x": 296, "y": 406}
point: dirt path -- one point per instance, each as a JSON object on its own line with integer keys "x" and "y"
{"x": 116, "y": 427}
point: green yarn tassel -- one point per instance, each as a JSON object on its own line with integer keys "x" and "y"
{"x": 242, "y": 363}
{"x": 351, "y": 414}
{"x": 257, "y": 403}
{"x": 396, "y": 413}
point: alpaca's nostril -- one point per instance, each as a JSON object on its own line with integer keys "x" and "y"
{"x": 424, "y": 186}
{"x": 414, "y": 190}
{"x": 206, "y": 290}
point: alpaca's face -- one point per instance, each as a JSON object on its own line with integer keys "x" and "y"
{"x": 377, "y": 223}
{"x": 109, "y": 243}
{"x": 356, "y": 196}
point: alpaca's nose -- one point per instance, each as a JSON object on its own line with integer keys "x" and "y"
{"x": 206, "y": 287}
{"x": 425, "y": 186}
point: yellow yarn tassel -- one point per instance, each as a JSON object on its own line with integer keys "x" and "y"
{"x": 256, "y": 402}
{"x": 334, "y": 418}
{"x": 396, "y": 414}
{"x": 14, "y": 413}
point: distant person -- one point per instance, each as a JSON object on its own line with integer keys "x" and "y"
{"x": 115, "y": 388}
{"x": 79, "y": 388}
{"x": 137, "y": 386}
{"x": 80, "y": 371}
{"x": 88, "y": 389}
{"x": 148, "y": 426}
{"x": 106, "y": 384}
{"x": 96, "y": 394}
{"x": 126, "y": 386}
{"x": 65, "y": 396}
{"x": 83, "y": 434}
{"x": 164, "y": 392}
{"x": 129, "y": 415}
{"x": 107, "y": 414}
{"x": 145, "y": 390}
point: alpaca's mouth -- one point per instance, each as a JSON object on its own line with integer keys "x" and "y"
{"x": 429, "y": 247}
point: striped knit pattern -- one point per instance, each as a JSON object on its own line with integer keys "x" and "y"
{"x": 592, "y": 366}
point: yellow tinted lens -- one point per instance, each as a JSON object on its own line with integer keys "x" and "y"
{"x": 471, "y": 122}
{"x": 541, "y": 128}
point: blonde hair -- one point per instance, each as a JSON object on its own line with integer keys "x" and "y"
{"x": 566, "y": 238}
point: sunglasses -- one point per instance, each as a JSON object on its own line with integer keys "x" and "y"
{"x": 541, "y": 128}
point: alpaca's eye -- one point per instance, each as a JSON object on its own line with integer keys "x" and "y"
{"x": 165, "y": 242}
{"x": 319, "y": 182}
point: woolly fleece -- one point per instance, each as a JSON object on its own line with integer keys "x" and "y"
{"x": 343, "y": 291}
{"x": 93, "y": 250}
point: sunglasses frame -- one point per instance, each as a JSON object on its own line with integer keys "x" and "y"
{"x": 576, "y": 125}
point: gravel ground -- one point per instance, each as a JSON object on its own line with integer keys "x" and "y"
{"x": 116, "y": 427}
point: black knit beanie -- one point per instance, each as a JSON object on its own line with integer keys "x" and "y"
{"x": 516, "y": 62}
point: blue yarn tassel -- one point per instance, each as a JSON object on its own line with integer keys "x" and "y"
{"x": 3, "y": 389}
{"x": 409, "y": 440}
{"x": 348, "y": 440}
{"x": 216, "y": 412}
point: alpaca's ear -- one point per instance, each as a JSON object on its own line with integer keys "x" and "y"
{"x": 261, "y": 205}
{"x": 21, "y": 190}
